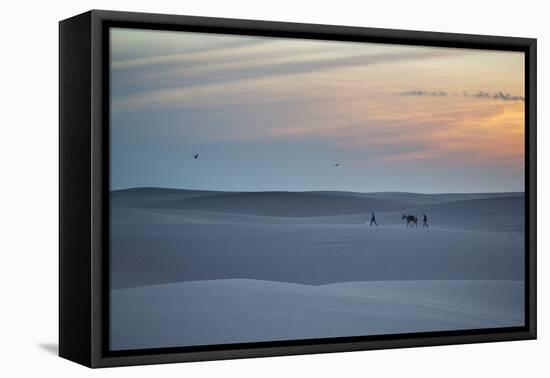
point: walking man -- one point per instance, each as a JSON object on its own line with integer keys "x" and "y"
{"x": 373, "y": 220}
{"x": 425, "y": 221}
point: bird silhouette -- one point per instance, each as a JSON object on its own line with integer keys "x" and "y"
{"x": 196, "y": 156}
{"x": 337, "y": 164}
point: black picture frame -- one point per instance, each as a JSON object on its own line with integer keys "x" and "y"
{"x": 84, "y": 179}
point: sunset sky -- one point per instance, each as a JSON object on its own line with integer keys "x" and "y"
{"x": 277, "y": 114}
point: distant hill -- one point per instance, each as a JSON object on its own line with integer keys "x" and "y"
{"x": 449, "y": 208}
{"x": 142, "y": 197}
{"x": 483, "y": 213}
{"x": 421, "y": 198}
{"x": 282, "y": 204}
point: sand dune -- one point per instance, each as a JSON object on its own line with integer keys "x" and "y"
{"x": 202, "y": 267}
{"x": 156, "y": 217}
{"x": 282, "y": 204}
{"x": 143, "y": 197}
{"x": 164, "y": 197}
{"x": 496, "y": 213}
{"x": 251, "y": 310}
{"x": 499, "y": 213}
{"x": 418, "y": 199}
{"x": 309, "y": 254}
{"x": 160, "y": 245}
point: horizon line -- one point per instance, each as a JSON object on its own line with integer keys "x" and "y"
{"x": 303, "y": 191}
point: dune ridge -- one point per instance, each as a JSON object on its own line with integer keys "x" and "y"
{"x": 180, "y": 314}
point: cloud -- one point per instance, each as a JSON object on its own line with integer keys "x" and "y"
{"x": 416, "y": 92}
{"x": 133, "y": 47}
{"x": 479, "y": 94}
{"x": 169, "y": 88}
{"x": 181, "y": 57}
{"x": 495, "y": 96}
{"x": 153, "y": 68}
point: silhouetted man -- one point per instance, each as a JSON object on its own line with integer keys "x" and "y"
{"x": 373, "y": 220}
{"x": 425, "y": 221}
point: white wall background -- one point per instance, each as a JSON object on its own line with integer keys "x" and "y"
{"x": 29, "y": 174}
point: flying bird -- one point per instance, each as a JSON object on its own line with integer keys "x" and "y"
{"x": 196, "y": 156}
{"x": 337, "y": 164}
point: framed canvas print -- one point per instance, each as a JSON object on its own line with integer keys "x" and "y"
{"x": 233, "y": 188}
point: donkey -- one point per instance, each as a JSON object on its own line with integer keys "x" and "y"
{"x": 411, "y": 220}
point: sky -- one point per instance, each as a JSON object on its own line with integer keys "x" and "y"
{"x": 272, "y": 114}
